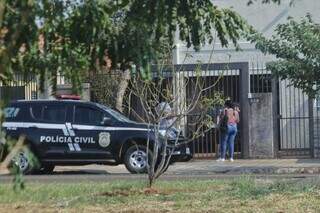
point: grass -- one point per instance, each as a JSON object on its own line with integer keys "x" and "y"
{"x": 240, "y": 195}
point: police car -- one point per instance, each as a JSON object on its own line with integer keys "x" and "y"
{"x": 74, "y": 132}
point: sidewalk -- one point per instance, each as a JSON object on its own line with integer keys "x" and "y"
{"x": 269, "y": 166}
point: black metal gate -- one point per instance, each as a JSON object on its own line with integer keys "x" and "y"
{"x": 21, "y": 87}
{"x": 231, "y": 81}
{"x": 295, "y": 121}
{"x": 316, "y": 127}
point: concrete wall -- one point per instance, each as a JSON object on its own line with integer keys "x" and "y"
{"x": 260, "y": 116}
{"x": 66, "y": 89}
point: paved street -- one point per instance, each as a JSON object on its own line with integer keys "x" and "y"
{"x": 195, "y": 169}
{"x": 268, "y": 166}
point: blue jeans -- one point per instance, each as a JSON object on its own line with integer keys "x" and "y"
{"x": 228, "y": 138}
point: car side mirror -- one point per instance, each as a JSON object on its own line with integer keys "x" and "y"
{"x": 106, "y": 121}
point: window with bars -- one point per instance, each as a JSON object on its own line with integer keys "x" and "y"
{"x": 260, "y": 83}
{"x": 318, "y": 102}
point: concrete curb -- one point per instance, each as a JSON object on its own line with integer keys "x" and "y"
{"x": 255, "y": 170}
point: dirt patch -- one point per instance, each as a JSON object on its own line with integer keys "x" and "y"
{"x": 132, "y": 192}
{"x": 115, "y": 193}
{"x": 152, "y": 191}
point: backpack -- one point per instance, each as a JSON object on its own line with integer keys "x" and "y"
{"x": 223, "y": 123}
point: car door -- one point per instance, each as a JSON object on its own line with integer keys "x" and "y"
{"x": 92, "y": 138}
{"x": 49, "y": 130}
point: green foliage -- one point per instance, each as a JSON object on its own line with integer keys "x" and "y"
{"x": 247, "y": 187}
{"x": 11, "y": 148}
{"x": 195, "y": 21}
{"x": 297, "y": 46}
{"x": 77, "y": 34}
{"x": 228, "y": 195}
{"x": 17, "y": 27}
{"x": 104, "y": 87}
{"x": 57, "y": 49}
{"x": 18, "y": 182}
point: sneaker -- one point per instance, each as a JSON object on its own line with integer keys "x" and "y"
{"x": 220, "y": 159}
{"x": 231, "y": 160}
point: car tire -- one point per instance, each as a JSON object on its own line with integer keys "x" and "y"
{"x": 135, "y": 159}
{"x": 22, "y": 160}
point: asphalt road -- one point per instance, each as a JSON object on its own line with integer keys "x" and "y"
{"x": 197, "y": 169}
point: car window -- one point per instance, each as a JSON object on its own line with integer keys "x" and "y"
{"x": 87, "y": 115}
{"x": 54, "y": 113}
{"x": 36, "y": 112}
{"x": 115, "y": 114}
{"x": 11, "y": 112}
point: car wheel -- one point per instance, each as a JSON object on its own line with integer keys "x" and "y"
{"x": 23, "y": 162}
{"x": 135, "y": 159}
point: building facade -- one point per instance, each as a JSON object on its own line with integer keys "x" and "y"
{"x": 296, "y": 117}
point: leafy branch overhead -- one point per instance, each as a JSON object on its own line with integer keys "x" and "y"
{"x": 130, "y": 30}
{"x": 195, "y": 21}
{"x": 297, "y": 46}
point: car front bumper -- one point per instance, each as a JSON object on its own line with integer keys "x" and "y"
{"x": 181, "y": 154}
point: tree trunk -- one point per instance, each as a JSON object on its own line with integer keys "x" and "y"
{"x": 45, "y": 82}
{"x": 123, "y": 85}
{"x": 1, "y": 150}
{"x": 151, "y": 181}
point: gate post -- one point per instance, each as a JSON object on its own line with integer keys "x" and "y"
{"x": 47, "y": 88}
{"x": 244, "y": 107}
{"x": 311, "y": 128}
{"x": 276, "y": 116}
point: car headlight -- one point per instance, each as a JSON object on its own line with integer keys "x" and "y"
{"x": 171, "y": 135}
{"x": 162, "y": 133}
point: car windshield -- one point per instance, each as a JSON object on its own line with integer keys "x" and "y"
{"x": 115, "y": 114}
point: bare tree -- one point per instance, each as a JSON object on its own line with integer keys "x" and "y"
{"x": 162, "y": 103}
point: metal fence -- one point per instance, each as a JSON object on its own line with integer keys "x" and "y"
{"x": 227, "y": 83}
{"x": 228, "y": 80}
{"x": 296, "y": 115}
{"x": 222, "y": 79}
{"x": 21, "y": 87}
{"x": 315, "y": 121}
{"x": 260, "y": 78}
{"x": 298, "y": 119}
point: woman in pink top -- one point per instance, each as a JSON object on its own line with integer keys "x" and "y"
{"x": 231, "y": 132}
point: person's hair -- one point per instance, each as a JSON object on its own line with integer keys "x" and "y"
{"x": 228, "y": 103}
{"x": 236, "y": 105}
